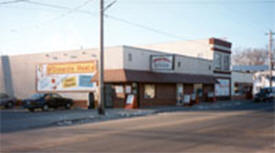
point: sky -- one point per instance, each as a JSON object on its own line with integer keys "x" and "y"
{"x": 34, "y": 26}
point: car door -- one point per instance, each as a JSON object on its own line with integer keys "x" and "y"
{"x": 50, "y": 100}
{"x": 59, "y": 101}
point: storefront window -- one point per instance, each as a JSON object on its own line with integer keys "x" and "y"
{"x": 198, "y": 89}
{"x": 149, "y": 91}
{"x": 218, "y": 61}
{"x": 226, "y": 62}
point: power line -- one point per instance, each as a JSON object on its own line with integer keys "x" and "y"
{"x": 108, "y": 16}
{"x": 10, "y": 2}
{"x": 48, "y": 5}
{"x": 68, "y": 11}
{"x": 72, "y": 10}
{"x": 143, "y": 26}
{"x": 193, "y": 2}
{"x": 111, "y": 17}
{"x": 57, "y": 6}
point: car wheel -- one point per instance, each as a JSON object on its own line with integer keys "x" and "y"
{"x": 31, "y": 109}
{"x": 45, "y": 107}
{"x": 68, "y": 106}
{"x": 9, "y": 105}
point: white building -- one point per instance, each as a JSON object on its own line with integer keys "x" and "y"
{"x": 156, "y": 76}
{"x": 242, "y": 84}
{"x": 216, "y": 50}
{"x": 262, "y": 80}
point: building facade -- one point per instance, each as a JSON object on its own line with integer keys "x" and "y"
{"x": 242, "y": 85}
{"x": 262, "y": 80}
{"x": 216, "y": 50}
{"x": 188, "y": 71}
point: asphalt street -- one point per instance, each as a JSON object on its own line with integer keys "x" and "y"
{"x": 13, "y": 120}
{"x": 242, "y": 129}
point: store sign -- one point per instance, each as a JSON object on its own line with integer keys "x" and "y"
{"x": 162, "y": 62}
{"x": 66, "y": 77}
{"x": 222, "y": 88}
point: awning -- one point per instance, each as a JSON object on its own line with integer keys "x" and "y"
{"x": 115, "y": 76}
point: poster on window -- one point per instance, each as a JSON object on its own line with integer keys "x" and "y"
{"x": 222, "y": 88}
{"x": 66, "y": 77}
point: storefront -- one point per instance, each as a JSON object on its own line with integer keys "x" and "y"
{"x": 155, "y": 89}
{"x": 242, "y": 85}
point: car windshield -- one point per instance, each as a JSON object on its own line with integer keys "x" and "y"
{"x": 37, "y": 96}
{"x": 2, "y": 95}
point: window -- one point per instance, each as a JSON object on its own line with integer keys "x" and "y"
{"x": 179, "y": 64}
{"x": 55, "y": 96}
{"x": 226, "y": 63}
{"x": 149, "y": 91}
{"x": 129, "y": 57}
{"x": 218, "y": 61}
{"x": 198, "y": 89}
{"x": 37, "y": 96}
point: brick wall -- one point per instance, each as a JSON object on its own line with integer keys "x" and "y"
{"x": 81, "y": 103}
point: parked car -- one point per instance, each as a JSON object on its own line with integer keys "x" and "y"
{"x": 265, "y": 95}
{"x": 7, "y": 101}
{"x": 46, "y": 101}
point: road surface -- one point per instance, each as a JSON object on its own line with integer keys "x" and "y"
{"x": 240, "y": 130}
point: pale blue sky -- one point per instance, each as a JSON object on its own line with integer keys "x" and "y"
{"x": 29, "y": 28}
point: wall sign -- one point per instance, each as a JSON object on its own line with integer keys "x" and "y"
{"x": 162, "y": 62}
{"x": 130, "y": 99}
{"x": 222, "y": 88}
{"x": 66, "y": 77}
{"x": 128, "y": 89}
{"x": 119, "y": 89}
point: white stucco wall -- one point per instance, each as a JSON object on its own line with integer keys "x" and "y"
{"x": 23, "y": 68}
{"x": 140, "y": 58}
{"x": 113, "y": 58}
{"x": 240, "y": 77}
{"x": 193, "y": 65}
{"x": 141, "y": 61}
{"x": 194, "y": 48}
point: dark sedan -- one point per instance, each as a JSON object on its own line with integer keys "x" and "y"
{"x": 46, "y": 101}
{"x": 7, "y": 101}
{"x": 265, "y": 95}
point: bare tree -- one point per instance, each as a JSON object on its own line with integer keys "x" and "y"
{"x": 249, "y": 56}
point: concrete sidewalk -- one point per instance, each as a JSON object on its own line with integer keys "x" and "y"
{"x": 20, "y": 119}
{"x": 117, "y": 113}
{"x": 202, "y": 106}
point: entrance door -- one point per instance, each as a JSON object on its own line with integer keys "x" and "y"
{"x": 179, "y": 93}
{"x": 108, "y": 96}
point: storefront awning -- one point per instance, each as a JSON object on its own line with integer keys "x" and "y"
{"x": 115, "y": 76}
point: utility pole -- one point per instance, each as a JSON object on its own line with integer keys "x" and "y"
{"x": 101, "y": 109}
{"x": 270, "y": 55}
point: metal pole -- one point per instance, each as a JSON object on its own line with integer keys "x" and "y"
{"x": 101, "y": 109}
{"x": 270, "y": 57}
